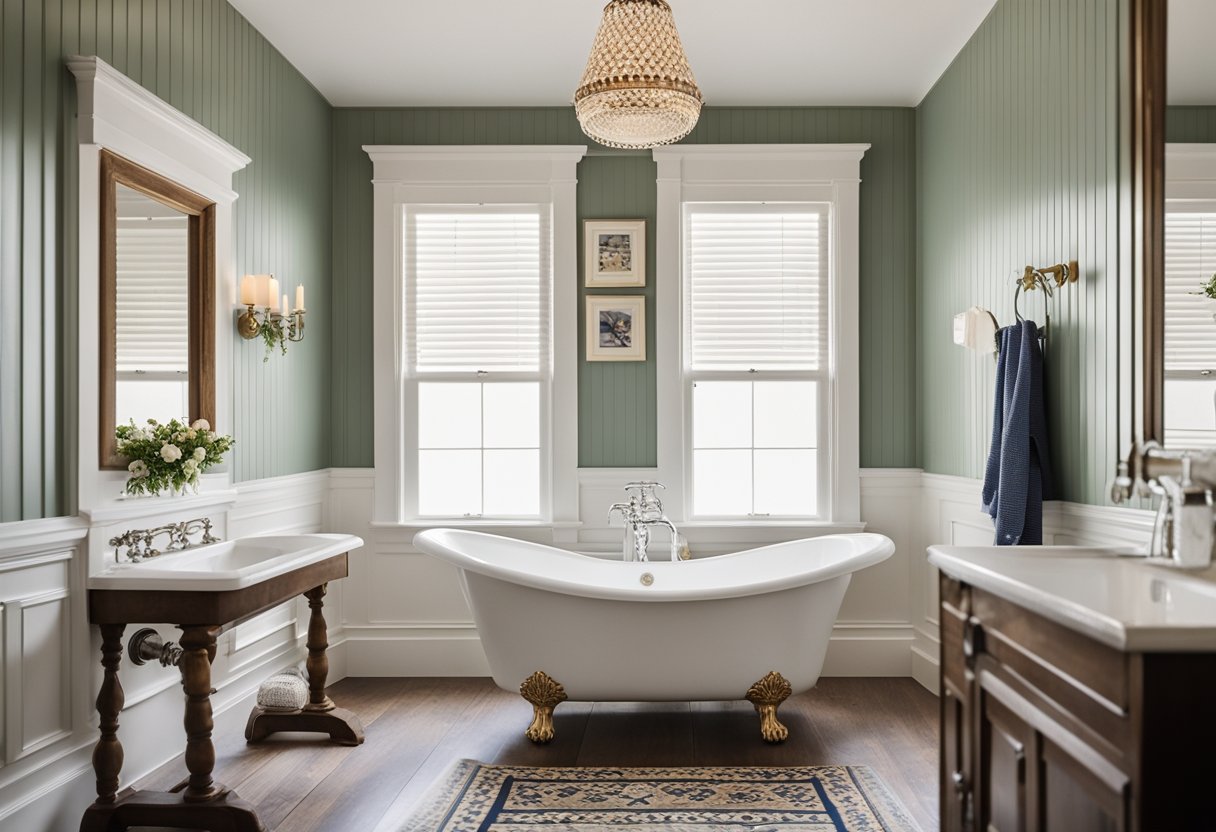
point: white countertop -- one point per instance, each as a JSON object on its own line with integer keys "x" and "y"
{"x": 1123, "y": 601}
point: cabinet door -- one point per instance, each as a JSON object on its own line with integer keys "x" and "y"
{"x": 1033, "y": 775}
{"x": 956, "y": 807}
{"x": 1005, "y": 741}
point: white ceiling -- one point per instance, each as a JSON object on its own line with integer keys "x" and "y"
{"x": 1190, "y": 55}
{"x": 531, "y": 52}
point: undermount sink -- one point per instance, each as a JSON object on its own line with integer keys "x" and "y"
{"x": 225, "y": 566}
{"x": 1125, "y": 601}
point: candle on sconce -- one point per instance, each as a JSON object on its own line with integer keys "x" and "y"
{"x": 272, "y": 295}
{"x": 300, "y": 297}
{"x": 248, "y": 290}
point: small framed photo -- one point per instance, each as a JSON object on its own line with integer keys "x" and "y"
{"x": 616, "y": 328}
{"x": 614, "y": 253}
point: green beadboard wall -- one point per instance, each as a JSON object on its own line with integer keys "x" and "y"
{"x": 617, "y": 423}
{"x": 203, "y": 58}
{"x": 1190, "y": 124}
{"x": 1018, "y": 156}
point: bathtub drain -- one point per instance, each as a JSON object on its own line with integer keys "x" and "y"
{"x": 647, "y": 579}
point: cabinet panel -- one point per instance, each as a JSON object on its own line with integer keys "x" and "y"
{"x": 1003, "y": 802}
{"x": 1073, "y": 799}
{"x": 956, "y": 781}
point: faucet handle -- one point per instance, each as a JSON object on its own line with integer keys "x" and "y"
{"x": 623, "y": 508}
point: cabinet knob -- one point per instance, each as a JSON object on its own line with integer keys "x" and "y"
{"x": 960, "y": 781}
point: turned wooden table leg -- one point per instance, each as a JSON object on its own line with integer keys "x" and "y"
{"x": 318, "y": 643}
{"x": 107, "y": 754}
{"x": 319, "y": 713}
{"x": 198, "y": 646}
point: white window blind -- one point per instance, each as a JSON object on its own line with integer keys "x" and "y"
{"x": 152, "y": 296}
{"x": 1190, "y": 331}
{"x": 1190, "y": 260}
{"x": 756, "y": 287}
{"x": 477, "y": 288}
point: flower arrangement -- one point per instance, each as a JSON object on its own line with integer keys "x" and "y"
{"x": 169, "y": 457}
{"x": 1208, "y": 289}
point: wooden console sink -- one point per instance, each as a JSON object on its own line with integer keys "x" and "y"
{"x": 204, "y": 591}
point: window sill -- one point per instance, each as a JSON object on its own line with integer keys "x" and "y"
{"x": 460, "y": 523}
{"x": 826, "y": 526}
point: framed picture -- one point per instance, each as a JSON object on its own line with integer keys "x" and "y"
{"x": 614, "y": 253}
{"x": 616, "y": 328}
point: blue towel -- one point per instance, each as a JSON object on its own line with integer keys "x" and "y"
{"x": 1017, "y": 478}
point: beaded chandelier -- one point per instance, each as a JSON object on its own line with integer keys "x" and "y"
{"x": 637, "y": 90}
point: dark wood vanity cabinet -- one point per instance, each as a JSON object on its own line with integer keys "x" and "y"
{"x": 1045, "y": 729}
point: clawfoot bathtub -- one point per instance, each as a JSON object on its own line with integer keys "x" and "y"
{"x": 558, "y": 625}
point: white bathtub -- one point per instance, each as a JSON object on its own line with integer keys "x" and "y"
{"x": 704, "y": 629}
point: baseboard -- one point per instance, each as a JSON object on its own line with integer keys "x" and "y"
{"x": 925, "y": 670}
{"x": 855, "y": 649}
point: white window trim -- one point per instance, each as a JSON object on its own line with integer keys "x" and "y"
{"x": 762, "y": 173}
{"x": 436, "y": 175}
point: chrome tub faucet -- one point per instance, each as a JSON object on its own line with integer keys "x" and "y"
{"x": 643, "y": 510}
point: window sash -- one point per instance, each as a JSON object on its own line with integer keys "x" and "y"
{"x": 756, "y": 298}
{"x": 152, "y": 297}
{"x": 463, "y": 311}
{"x": 451, "y": 360}
{"x": 1190, "y": 259}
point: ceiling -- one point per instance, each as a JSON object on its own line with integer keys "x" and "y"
{"x": 531, "y": 52}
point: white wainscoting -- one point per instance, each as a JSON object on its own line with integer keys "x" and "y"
{"x": 950, "y": 513}
{"x": 51, "y": 661}
{"x": 407, "y": 616}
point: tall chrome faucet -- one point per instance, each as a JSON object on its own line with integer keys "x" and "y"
{"x": 1184, "y": 531}
{"x": 643, "y": 510}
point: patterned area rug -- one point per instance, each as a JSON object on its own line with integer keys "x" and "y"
{"x": 478, "y": 798}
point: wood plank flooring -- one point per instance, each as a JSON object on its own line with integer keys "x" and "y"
{"x": 416, "y": 728}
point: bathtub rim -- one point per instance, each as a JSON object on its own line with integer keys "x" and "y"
{"x": 616, "y": 580}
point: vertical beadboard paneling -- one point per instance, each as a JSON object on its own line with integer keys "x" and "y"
{"x": 1190, "y": 124}
{"x": 1018, "y": 162}
{"x": 616, "y": 401}
{"x": 205, "y": 59}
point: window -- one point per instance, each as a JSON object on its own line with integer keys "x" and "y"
{"x": 475, "y": 323}
{"x": 1190, "y": 349}
{"x": 477, "y": 336}
{"x": 756, "y": 341}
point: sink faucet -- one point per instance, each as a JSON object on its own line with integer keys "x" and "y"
{"x": 1184, "y": 531}
{"x": 139, "y": 541}
{"x": 644, "y": 510}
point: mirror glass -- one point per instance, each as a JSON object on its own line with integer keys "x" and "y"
{"x": 152, "y": 304}
{"x": 157, "y": 302}
{"x": 1189, "y": 350}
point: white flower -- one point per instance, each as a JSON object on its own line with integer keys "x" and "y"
{"x": 138, "y": 468}
{"x": 200, "y": 454}
{"x": 189, "y": 466}
{"x": 201, "y": 424}
{"x": 209, "y": 437}
{"x": 170, "y": 453}
{"x": 191, "y": 434}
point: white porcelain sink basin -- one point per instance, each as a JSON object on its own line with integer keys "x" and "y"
{"x": 1126, "y": 602}
{"x": 227, "y": 565}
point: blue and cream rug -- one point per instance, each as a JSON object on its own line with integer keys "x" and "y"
{"x": 478, "y": 798}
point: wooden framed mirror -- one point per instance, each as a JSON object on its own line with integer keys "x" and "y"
{"x": 1173, "y": 158}
{"x": 156, "y": 302}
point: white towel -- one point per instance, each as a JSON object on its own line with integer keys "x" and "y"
{"x": 976, "y": 329}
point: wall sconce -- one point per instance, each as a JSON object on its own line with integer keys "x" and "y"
{"x": 274, "y": 323}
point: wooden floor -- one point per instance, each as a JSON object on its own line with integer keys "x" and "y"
{"x": 416, "y": 728}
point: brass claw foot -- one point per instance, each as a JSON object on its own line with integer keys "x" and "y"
{"x": 767, "y": 695}
{"x": 544, "y": 694}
